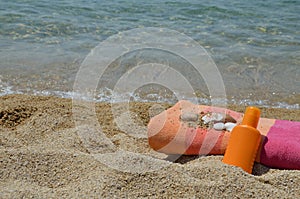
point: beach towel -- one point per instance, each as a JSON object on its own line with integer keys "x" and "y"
{"x": 191, "y": 129}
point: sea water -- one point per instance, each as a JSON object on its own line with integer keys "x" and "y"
{"x": 255, "y": 45}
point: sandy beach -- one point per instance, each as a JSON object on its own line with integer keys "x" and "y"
{"x": 153, "y": 54}
{"x": 45, "y": 155}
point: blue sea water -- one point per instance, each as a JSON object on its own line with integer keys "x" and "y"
{"x": 255, "y": 44}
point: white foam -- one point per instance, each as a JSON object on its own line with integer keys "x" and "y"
{"x": 108, "y": 95}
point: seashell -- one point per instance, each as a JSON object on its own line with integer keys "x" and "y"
{"x": 206, "y": 119}
{"x": 210, "y": 117}
{"x": 188, "y": 117}
{"x": 229, "y": 126}
{"x": 219, "y": 126}
{"x": 217, "y": 117}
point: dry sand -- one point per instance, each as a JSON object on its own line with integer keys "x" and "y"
{"x": 45, "y": 154}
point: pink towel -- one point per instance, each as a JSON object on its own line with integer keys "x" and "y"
{"x": 281, "y": 146}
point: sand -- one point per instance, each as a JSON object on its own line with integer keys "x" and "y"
{"x": 44, "y": 153}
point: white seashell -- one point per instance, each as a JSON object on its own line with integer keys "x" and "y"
{"x": 219, "y": 126}
{"x": 189, "y": 117}
{"x": 229, "y": 126}
{"x": 217, "y": 117}
{"x": 212, "y": 117}
{"x": 206, "y": 119}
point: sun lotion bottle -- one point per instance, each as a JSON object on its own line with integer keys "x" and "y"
{"x": 244, "y": 141}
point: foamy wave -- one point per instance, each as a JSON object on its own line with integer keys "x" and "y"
{"x": 110, "y": 96}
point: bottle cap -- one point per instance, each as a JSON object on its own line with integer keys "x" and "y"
{"x": 251, "y": 116}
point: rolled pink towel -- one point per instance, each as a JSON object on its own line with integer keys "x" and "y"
{"x": 182, "y": 130}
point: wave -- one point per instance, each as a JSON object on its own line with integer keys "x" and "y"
{"x": 111, "y": 96}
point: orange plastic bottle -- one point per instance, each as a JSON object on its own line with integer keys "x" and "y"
{"x": 244, "y": 141}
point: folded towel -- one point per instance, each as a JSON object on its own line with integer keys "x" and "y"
{"x": 281, "y": 146}
{"x": 181, "y": 130}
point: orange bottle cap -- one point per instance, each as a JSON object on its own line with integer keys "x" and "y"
{"x": 251, "y": 116}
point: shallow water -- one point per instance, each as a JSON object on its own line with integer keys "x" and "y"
{"x": 255, "y": 44}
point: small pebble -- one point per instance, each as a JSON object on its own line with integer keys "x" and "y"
{"x": 189, "y": 117}
{"x": 219, "y": 126}
{"x": 229, "y": 126}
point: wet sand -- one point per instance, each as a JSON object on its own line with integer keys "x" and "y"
{"x": 44, "y": 153}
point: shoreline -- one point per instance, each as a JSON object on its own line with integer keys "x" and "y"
{"x": 289, "y": 102}
{"x": 43, "y": 154}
